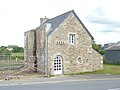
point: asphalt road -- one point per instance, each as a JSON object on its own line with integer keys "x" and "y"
{"x": 105, "y": 84}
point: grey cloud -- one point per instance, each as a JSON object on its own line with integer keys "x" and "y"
{"x": 99, "y": 16}
{"x": 109, "y": 24}
{"x": 110, "y": 28}
{"x": 0, "y": 13}
{"x": 104, "y": 20}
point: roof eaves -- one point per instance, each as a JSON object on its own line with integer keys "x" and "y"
{"x": 115, "y": 46}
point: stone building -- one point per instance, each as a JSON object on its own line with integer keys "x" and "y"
{"x": 61, "y": 45}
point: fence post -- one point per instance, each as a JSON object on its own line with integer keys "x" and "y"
{"x": 9, "y": 66}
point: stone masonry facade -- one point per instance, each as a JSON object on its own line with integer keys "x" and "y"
{"x": 58, "y": 44}
{"x": 29, "y": 48}
{"x": 76, "y": 58}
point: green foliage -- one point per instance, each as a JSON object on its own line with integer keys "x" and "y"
{"x": 4, "y": 50}
{"x": 18, "y": 49}
{"x": 102, "y": 52}
{"x": 18, "y": 52}
{"x": 97, "y": 47}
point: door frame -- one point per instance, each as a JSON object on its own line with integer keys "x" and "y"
{"x": 59, "y": 71}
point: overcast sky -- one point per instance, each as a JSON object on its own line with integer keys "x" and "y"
{"x": 101, "y": 17}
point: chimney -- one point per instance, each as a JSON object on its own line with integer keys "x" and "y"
{"x": 42, "y": 20}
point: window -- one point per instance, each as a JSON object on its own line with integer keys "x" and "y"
{"x": 72, "y": 38}
{"x": 79, "y": 60}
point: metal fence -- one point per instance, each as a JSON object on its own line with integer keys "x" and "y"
{"x": 14, "y": 67}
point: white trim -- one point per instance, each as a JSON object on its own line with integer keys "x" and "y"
{"x": 73, "y": 38}
{"x": 48, "y": 27}
{"x": 58, "y": 65}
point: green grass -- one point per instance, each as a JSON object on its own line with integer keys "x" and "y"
{"x": 17, "y": 54}
{"x": 12, "y": 63}
{"x": 108, "y": 69}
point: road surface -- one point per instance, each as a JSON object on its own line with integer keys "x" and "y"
{"x": 103, "y": 84}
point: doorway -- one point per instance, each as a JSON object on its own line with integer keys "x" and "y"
{"x": 58, "y": 65}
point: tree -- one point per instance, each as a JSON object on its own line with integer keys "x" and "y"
{"x": 18, "y": 49}
{"x": 97, "y": 47}
{"x": 4, "y": 50}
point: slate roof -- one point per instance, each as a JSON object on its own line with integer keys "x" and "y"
{"x": 115, "y": 46}
{"x": 107, "y": 45}
{"x": 56, "y": 21}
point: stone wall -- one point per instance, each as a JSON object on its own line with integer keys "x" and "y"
{"x": 79, "y": 57}
{"x": 41, "y": 48}
{"x": 29, "y": 39}
{"x": 35, "y": 49}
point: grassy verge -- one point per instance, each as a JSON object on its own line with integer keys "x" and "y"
{"x": 108, "y": 69}
{"x": 18, "y": 54}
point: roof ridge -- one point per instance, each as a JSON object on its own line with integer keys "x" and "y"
{"x": 60, "y": 15}
{"x": 112, "y": 46}
{"x": 56, "y": 21}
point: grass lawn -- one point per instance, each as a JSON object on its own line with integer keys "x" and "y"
{"x": 109, "y": 69}
{"x": 17, "y": 54}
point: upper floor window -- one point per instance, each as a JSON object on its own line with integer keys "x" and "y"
{"x": 72, "y": 38}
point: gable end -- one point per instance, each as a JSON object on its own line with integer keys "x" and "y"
{"x": 56, "y": 21}
{"x": 82, "y": 24}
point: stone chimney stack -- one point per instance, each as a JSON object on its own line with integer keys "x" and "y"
{"x": 42, "y": 20}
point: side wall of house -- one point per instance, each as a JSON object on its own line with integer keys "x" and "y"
{"x": 29, "y": 37}
{"x": 79, "y": 57}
